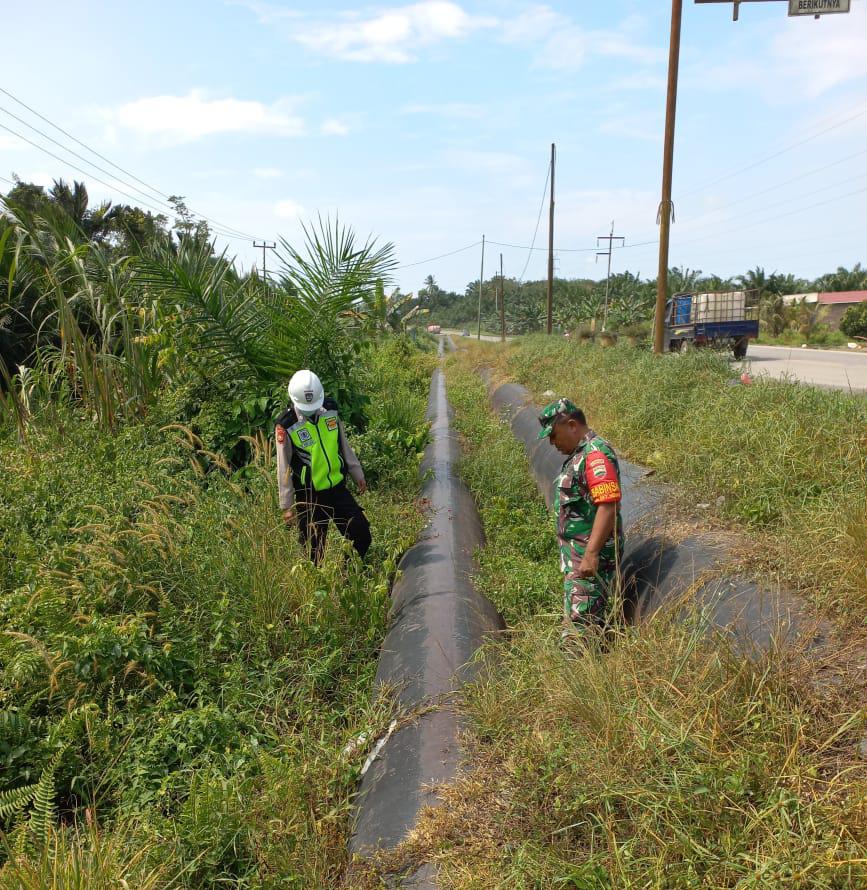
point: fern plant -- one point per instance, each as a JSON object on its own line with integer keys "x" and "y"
{"x": 13, "y": 800}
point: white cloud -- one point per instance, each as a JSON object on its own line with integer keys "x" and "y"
{"x": 632, "y": 129}
{"x": 833, "y": 53}
{"x": 266, "y": 13}
{"x": 334, "y": 127}
{"x": 393, "y": 34}
{"x": 560, "y": 43}
{"x": 267, "y": 173}
{"x": 179, "y": 119}
{"x": 806, "y": 59}
{"x": 461, "y": 110}
{"x": 289, "y": 209}
{"x": 494, "y": 163}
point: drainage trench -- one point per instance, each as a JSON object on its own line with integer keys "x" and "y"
{"x": 438, "y": 621}
{"x": 658, "y": 571}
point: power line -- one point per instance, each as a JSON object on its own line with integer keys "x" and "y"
{"x": 776, "y": 217}
{"x": 810, "y": 194}
{"x": 79, "y": 142}
{"x": 557, "y": 249}
{"x": 538, "y": 222}
{"x": 776, "y": 154}
{"x": 226, "y": 228}
{"x": 778, "y": 185}
{"x": 102, "y": 181}
{"x": 441, "y": 256}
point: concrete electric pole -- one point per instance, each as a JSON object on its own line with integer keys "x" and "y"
{"x": 551, "y": 248}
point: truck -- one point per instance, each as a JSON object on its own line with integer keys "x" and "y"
{"x": 433, "y": 329}
{"x": 720, "y": 320}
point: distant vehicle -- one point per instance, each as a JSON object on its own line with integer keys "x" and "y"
{"x": 465, "y": 333}
{"x": 433, "y": 328}
{"x": 722, "y": 321}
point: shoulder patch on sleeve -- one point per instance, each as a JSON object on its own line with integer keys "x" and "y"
{"x": 602, "y": 478}
{"x": 331, "y": 423}
{"x": 281, "y": 434}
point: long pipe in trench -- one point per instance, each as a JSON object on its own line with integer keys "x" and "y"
{"x": 657, "y": 570}
{"x": 438, "y": 623}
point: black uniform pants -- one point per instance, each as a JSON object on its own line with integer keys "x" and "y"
{"x": 316, "y": 508}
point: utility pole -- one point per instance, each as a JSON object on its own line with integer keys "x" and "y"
{"x": 551, "y": 248}
{"x": 265, "y": 245}
{"x": 502, "y": 304}
{"x": 481, "y": 280}
{"x": 610, "y": 239}
{"x": 666, "y": 208}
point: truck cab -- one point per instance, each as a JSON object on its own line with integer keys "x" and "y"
{"x": 719, "y": 320}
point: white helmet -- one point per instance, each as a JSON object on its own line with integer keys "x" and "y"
{"x": 305, "y": 390}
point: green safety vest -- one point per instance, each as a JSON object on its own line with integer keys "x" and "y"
{"x": 316, "y": 442}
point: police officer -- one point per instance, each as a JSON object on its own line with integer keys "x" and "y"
{"x": 313, "y": 458}
{"x": 587, "y": 499}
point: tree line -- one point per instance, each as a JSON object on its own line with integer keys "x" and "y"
{"x": 631, "y": 299}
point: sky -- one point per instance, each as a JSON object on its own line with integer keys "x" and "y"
{"x": 429, "y": 124}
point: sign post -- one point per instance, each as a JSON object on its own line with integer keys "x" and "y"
{"x": 818, "y": 7}
{"x": 814, "y": 8}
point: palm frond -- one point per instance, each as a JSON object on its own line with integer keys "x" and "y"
{"x": 225, "y": 314}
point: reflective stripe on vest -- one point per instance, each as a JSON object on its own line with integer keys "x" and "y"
{"x": 319, "y": 439}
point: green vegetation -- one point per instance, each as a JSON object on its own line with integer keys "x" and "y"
{"x": 580, "y": 303}
{"x": 854, "y": 321}
{"x": 170, "y": 662}
{"x": 666, "y": 761}
{"x": 178, "y": 684}
{"x": 788, "y": 460}
{"x": 820, "y": 336}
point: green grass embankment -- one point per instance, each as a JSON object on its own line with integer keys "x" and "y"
{"x": 789, "y": 461}
{"x": 668, "y": 761}
{"x": 176, "y": 677}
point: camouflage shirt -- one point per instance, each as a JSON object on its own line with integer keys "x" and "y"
{"x": 590, "y": 476}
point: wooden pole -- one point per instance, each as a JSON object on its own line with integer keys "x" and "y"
{"x": 502, "y": 304}
{"x": 666, "y": 209}
{"x": 481, "y": 280}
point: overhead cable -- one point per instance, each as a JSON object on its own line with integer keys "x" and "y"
{"x": 215, "y": 223}
{"x": 441, "y": 256}
{"x": 776, "y": 154}
{"x": 538, "y": 221}
{"x": 109, "y": 185}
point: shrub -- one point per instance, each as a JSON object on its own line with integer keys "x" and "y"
{"x": 854, "y": 320}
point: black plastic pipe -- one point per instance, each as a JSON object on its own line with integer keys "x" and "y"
{"x": 657, "y": 570}
{"x": 438, "y": 621}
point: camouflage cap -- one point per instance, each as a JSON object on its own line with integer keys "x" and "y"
{"x": 552, "y": 413}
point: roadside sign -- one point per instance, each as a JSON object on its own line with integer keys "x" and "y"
{"x": 818, "y": 7}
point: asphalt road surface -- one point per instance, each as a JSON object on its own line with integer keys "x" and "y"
{"x": 829, "y": 367}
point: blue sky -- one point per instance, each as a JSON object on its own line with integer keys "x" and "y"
{"x": 430, "y": 123}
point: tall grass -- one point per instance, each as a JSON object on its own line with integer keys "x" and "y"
{"x": 171, "y": 666}
{"x": 789, "y": 461}
{"x": 669, "y": 760}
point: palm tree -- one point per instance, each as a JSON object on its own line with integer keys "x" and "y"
{"x": 682, "y": 279}
{"x": 843, "y": 279}
{"x": 755, "y": 279}
{"x": 256, "y": 335}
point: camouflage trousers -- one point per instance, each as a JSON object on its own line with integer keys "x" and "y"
{"x": 585, "y": 600}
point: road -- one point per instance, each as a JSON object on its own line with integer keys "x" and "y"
{"x": 830, "y": 367}
{"x": 491, "y": 338}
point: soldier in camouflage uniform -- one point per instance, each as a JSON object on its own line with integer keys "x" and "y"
{"x": 587, "y": 505}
